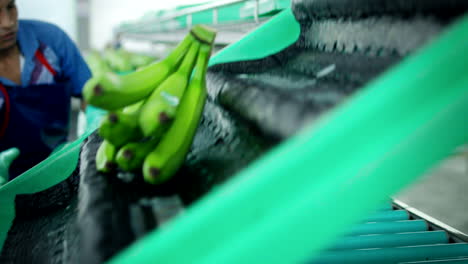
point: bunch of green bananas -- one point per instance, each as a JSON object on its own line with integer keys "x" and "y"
{"x": 96, "y": 63}
{"x": 136, "y": 60}
{"x": 117, "y": 60}
{"x": 153, "y": 112}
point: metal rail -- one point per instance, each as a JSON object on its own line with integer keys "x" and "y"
{"x": 227, "y": 33}
{"x": 193, "y": 10}
{"x": 434, "y": 222}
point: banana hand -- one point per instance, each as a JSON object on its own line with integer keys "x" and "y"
{"x": 131, "y": 156}
{"x": 170, "y": 153}
{"x": 121, "y": 127}
{"x": 161, "y": 107}
{"x": 155, "y": 133}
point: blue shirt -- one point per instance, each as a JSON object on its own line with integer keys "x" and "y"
{"x": 58, "y": 49}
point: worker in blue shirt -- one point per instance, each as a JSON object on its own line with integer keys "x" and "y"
{"x": 40, "y": 70}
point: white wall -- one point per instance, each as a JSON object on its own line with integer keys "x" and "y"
{"x": 106, "y": 14}
{"x": 59, "y": 12}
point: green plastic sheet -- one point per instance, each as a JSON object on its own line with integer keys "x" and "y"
{"x": 279, "y": 32}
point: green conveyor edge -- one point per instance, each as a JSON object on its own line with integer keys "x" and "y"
{"x": 402, "y": 124}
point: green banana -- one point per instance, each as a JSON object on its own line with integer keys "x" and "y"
{"x": 140, "y": 60}
{"x": 170, "y": 153}
{"x": 132, "y": 155}
{"x": 120, "y": 127}
{"x": 110, "y": 91}
{"x": 96, "y": 64}
{"x": 118, "y": 61}
{"x": 105, "y": 157}
{"x": 161, "y": 106}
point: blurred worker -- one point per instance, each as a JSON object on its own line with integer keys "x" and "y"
{"x": 40, "y": 70}
{"x": 117, "y": 43}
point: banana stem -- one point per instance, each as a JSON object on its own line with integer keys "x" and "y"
{"x": 203, "y": 34}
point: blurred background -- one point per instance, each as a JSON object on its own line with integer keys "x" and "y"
{"x": 91, "y": 22}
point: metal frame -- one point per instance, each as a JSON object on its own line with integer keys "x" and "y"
{"x": 227, "y": 33}
{"x": 434, "y": 223}
{"x": 190, "y": 11}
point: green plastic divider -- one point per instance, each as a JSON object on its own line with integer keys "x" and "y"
{"x": 265, "y": 8}
{"x": 226, "y": 14}
{"x": 388, "y": 216}
{"x": 386, "y": 206}
{"x": 421, "y": 102}
{"x": 391, "y": 240}
{"x": 230, "y": 13}
{"x": 238, "y": 12}
{"x": 94, "y": 116}
{"x": 450, "y": 261}
{"x": 283, "y": 4}
{"x": 388, "y": 227}
{"x": 203, "y": 17}
{"x": 394, "y": 255}
{"x": 278, "y": 33}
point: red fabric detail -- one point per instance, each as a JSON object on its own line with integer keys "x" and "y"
{"x": 40, "y": 56}
{"x": 6, "y": 115}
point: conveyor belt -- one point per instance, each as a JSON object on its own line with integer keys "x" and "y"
{"x": 394, "y": 235}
